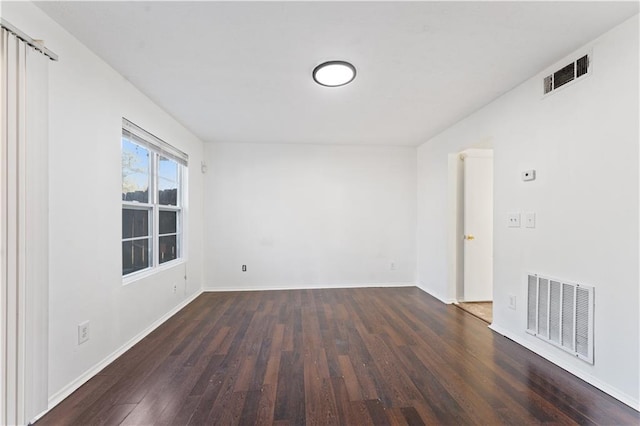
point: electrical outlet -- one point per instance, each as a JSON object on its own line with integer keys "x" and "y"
{"x": 83, "y": 332}
{"x": 528, "y": 175}
{"x": 512, "y": 302}
{"x": 175, "y": 288}
{"x": 244, "y": 268}
{"x": 393, "y": 266}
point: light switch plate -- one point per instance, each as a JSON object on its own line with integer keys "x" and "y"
{"x": 530, "y": 219}
{"x": 513, "y": 220}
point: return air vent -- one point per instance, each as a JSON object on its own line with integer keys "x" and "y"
{"x": 566, "y": 74}
{"x": 561, "y": 313}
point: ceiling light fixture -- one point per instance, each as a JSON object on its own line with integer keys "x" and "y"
{"x": 334, "y": 73}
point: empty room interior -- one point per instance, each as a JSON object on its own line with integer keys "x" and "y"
{"x": 315, "y": 212}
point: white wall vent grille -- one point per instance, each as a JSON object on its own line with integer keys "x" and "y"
{"x": 566, "y": 74}
{"x": 561, "y": 314}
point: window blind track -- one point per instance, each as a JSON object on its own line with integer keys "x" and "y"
{"x": 31, "y": 42}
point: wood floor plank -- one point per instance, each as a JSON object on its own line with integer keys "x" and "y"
{"x": 458, "y": 385}
{"x": 350, "y": 379}
{"x": 266, "y": 405}
{"x": 116, "y": 415}
{"x": 411, "y": 416}
{"x": 249, "y": 415}
{"x": 320, "y": 405}
{"x": 349, "y": 412}
{"x": 371, "y": 356}
{"x": 227, "y": 408}
{"x": 290, "y": 399}
{"x": 427, "y": 415}
{"x": 396, "y": 417}
{"x": 273, "y": 362}
{"x": 377, "y": 412}
{"x": 183, "y": 415}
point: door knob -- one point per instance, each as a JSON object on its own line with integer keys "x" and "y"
{"x": 469, "y": 237}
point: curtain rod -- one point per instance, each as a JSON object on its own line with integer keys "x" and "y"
{"x": 31, "y": 42}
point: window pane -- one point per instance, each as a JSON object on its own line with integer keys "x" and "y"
{"x": 135, "y": 223}
{"x": 135, "y": 172}
{"x": 168, "y": 222}
{"x": 168, "y": 248}
{"x": 167, "y": 182}
{"x": 135, "y": 256}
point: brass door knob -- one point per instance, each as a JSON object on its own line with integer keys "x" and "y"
{"x": 469, "y": 237}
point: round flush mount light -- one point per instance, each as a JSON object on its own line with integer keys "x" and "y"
{"x": 334, "y": 73}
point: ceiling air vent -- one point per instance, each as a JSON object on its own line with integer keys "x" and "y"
{"x": 566, "y": 74}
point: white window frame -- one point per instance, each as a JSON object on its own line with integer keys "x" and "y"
{"x": 157, "y": 148}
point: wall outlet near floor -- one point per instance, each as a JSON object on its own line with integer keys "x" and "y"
{"x": 83, "y": 332}
{"x": 393, "y": 265}
{"x": 512, "y": 302}
{"x": 528, "y": 175}
{"x": 175, "y": 288}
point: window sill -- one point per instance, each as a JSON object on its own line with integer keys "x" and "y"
{"x": 145, "y": 273}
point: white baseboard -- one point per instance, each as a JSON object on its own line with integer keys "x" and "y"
{"x": 59, "y": 396}
{"x": 307, "y": 287}
{"x": 548, "y": 355}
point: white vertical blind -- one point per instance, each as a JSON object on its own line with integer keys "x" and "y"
{"x": 23, "y": 230}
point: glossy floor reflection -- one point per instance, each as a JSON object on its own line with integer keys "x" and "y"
{"x": 339, "y": 356}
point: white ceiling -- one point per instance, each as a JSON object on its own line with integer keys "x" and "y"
{"x": 241, "y": 71}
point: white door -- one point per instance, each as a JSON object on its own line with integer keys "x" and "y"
{"x": 478, "y": 225}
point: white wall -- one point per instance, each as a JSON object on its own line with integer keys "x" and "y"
{"x": 87, "y": 102}
{"x": 583, "y": 143}
{"x": 309, "y": 216}
{"x": 305, "y": 216}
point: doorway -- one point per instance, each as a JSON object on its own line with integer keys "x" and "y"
{"x": 474, "y": 289}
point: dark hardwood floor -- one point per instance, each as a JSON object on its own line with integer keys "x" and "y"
{"x": 341, "y": 356}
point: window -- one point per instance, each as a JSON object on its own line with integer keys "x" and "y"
{"x": 152, "y": 200}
